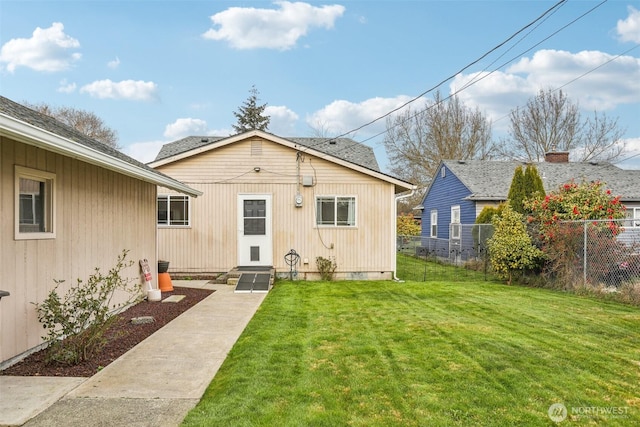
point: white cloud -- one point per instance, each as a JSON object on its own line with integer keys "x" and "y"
{"x": 66, "y": 87}
{"x": 601, "y": 89}
{"x": 632, "y": 153}
{"x": 629, "y": 29}
{"x": 250, "y": 28}
{"x": 342, "y": 116}
{"x": 282, "y": 120}
{"x": 48, "y": 49}
{"x": 126, "y": 89}
{"x": 144, "y": 152}
{"x": 114, "y": 64}
{"x": 185, "y": 127}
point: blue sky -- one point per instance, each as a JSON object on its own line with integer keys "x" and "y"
{"x": 156, "y": 71}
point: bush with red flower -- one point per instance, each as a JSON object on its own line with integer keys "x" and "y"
{"x": 566, "y": 216}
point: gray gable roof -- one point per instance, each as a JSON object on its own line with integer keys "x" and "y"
{"x": 491, "y": 179}
{"x": 47, "y": 123}
{"x": 342, "y": 148}
{"x": 52, "y": 125}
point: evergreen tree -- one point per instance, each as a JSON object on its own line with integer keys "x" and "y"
{"x": 517, "y": 193}
{"x": 250, "y": 114}
{"x": 510, "y": 248}
{"x": 533, "y": 186}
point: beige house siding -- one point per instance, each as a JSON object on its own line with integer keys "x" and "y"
{"x": 210, "y": 243}
{"x": 481, "y": 205}
{"x": 98, "y": 213}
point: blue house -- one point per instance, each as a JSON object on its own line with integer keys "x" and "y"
{"x": 460, "y": 189}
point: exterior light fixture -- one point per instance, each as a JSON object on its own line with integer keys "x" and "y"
{"x": 257, "y": 169}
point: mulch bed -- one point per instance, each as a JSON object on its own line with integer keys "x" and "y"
{"x": 123, "y": 335}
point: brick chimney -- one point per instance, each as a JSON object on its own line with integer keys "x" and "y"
{"x": 556, "y": 157}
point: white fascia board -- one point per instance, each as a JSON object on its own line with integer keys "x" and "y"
{"x": 37, "y": 137}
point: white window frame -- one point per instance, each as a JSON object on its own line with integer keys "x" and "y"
{"x": 455, "y": 222}
{"x": 434, "y": 223}
{"x": 633, "y": 217}
{"x": 168, "y": 222}
{"x": 49, "y": 203}
{"x": 351, "y": 223}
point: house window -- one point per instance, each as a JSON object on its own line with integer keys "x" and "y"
{"x": 34, "y": 204}
{"x": 255, "y": 218}
{"x": 434, "y": 223}
{"x": 633, "y": 214}
{"x": 173, "y": 210}
{"x": 455, "y": 222}
{"x": 336, "y": 211}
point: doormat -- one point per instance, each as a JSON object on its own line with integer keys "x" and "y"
{"x": 253, "y": 282}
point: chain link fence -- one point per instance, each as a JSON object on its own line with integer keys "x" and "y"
{"x": 599, "y": 254}
{"x": 596, "y": 254}
{"x": 458, "y": 258}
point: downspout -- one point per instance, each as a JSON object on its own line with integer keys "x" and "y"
{"x": 394, "y": 262}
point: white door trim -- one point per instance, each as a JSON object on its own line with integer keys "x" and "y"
{"x": 255, "y": 249}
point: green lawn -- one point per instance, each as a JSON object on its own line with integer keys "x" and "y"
{"x": 427, "y": 354}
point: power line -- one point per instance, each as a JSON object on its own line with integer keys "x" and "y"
{"x": 542, "y": 17}
{"x": 583, "y": 75}
{"x": 558, "y": 4}
{"x": 484, "y": 76}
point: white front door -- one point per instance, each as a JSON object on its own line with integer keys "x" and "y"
{"x": 255, "y": 247}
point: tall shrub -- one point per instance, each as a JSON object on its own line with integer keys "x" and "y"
{"x": 525, "y": 185}
{"x": 562, "y": 240}
{"x": 533, "y": 185}
{"x": 510, "y": 247}
{"x": 482, "y": 233}
{"x": 407, "y": 225}
{"x": 516, "y": 194}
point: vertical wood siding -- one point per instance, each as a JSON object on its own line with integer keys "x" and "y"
{"x": 98, "y": 214}
{"x": 210, "y": 244}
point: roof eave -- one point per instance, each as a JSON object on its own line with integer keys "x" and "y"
{"x": 37, "y": 137}
{"x": 399, "y": 185}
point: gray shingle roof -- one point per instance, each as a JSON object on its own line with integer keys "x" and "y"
{"x": 48, "y": 123}
{"x": 343, "y": 148}
{"x": 490, "y": 180}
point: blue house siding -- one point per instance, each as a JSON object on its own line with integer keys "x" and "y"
{"x": 447, "y": 190}
{"x": 444, "y": 193}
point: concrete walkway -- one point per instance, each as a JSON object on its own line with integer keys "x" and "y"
{"x": 154, "y": 384}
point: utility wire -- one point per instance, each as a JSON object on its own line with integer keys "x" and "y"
{"x": 582, "y": 75}
{"x": 542, "y": 17}
{"x": 558, "y": 4}
{"x": 484, "y": 76}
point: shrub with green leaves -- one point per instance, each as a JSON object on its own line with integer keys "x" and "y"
{"x": 76, "y": 323}
{"x": 326, "y": 267}
{"x": 510, "y": 247}
{"x": 479, "y": 231}
{"x": 407, "y": 225}
{"x": 562, "y": 240}
{"x": 584, "y": 201}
